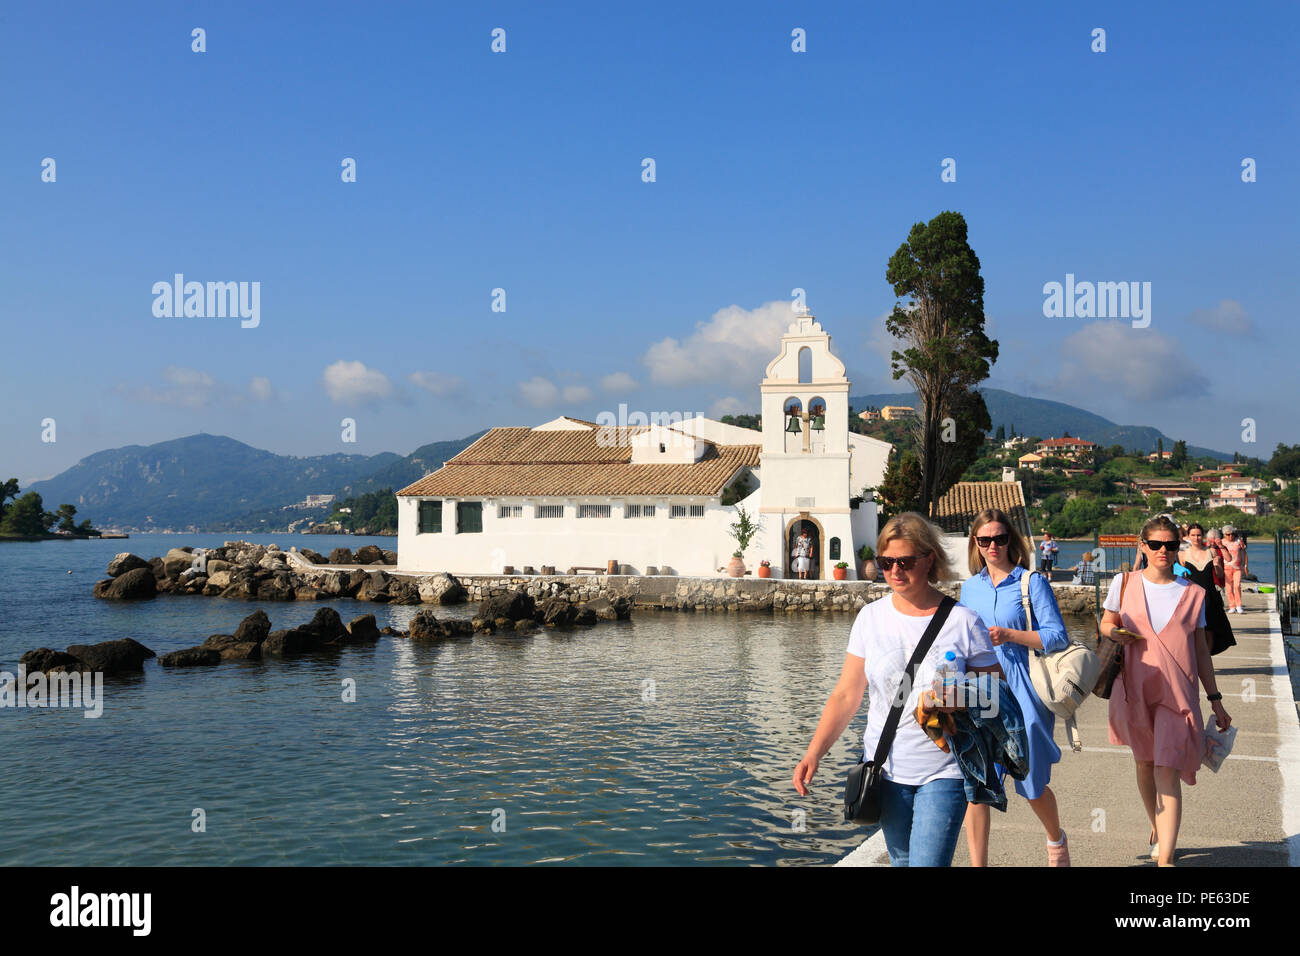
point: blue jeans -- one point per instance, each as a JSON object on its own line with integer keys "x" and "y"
{"x": 922, "y": 823}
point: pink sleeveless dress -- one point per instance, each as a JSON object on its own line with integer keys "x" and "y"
{"x": 1154, "y": 705}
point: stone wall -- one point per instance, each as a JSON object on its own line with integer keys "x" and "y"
{"x": 723, "y": 594}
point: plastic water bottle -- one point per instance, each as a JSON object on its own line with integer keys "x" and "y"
{"x": 947, "y": 679}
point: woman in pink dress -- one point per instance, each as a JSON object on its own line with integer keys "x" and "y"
{"x": 1154, "y": 705}
{"x": 1234, "y": 566}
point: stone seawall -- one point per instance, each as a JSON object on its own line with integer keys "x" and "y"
{"x": 768, "y": 595}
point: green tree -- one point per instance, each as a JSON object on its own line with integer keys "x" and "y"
{"x": 10, "y": 490}
{"x": 1001, "y": 435}
{"x": 27, "y": 516}
{"x": 900, "y": 489}
{"x": 64, "y": 517}
{"x": 1178, "y": 459}
{"x": 942, "y": 325}
{"x": 1285, "y": 461}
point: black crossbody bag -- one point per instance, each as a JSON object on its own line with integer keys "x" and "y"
{"x": 862, "y": 792}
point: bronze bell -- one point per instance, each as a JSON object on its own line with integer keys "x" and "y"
{"x": 819, "y": 423}
{"x": 793, "y": 428}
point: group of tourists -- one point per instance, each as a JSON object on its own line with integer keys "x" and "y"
{"x": 932, "y": 782}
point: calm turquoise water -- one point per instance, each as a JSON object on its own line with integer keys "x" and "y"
{"x": 552, "y": 735}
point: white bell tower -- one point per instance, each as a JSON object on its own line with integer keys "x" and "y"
{"x": 805, "y": 458}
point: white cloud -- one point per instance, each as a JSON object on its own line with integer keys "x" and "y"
{"x": 1227, "y": 316}
{"x": 184, "y": 388}
{"x": 539, "y": 392}
{"x": 351, "y": 382}
{"x": 619, "y": 382}
{"x": 577, "y": 393}
{"x": 730, "y": 406}
{"x": 1107, "y": 358}
{"x": 435, "y": 382}
{"x": 732, "y": 348}
{"x": 260, "y": 388}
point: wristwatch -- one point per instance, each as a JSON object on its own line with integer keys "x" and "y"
{"x": 1214, "y": 697}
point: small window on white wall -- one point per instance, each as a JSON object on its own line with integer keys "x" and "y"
{"x": 510, "y": 511}
{"x": 639, "y": 511}
{"x": 550, "y": 511}
{"x": 593, "y": 511}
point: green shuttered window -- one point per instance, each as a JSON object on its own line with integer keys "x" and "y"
{"x": 430, "y": 517}
{"x": 469, "y": 517}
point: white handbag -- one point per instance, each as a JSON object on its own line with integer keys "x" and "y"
{"x": 1062, "y": 680}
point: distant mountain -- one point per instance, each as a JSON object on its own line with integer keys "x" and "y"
{"x": 215, "y": 483}
{"x": 413, "y": 467}
{"x": 1048, "y": 419}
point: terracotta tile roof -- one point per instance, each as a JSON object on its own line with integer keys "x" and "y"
{"x": 955, "y": 511}
{"x": 521, "y": 461}
{"x": 1065, "y": 443}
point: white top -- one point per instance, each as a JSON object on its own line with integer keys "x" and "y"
{"x": 886, "y": 638}
{"x": 1162, "y": 599}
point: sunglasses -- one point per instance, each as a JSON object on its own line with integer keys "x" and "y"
{"x": 904, "y": 564}
{"x": 999, "y": 539}
{"x": 1169, "y": 546}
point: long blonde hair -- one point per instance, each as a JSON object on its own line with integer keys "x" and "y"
{"x": 923, "y": 535}
{"x": 1017, "y": 547}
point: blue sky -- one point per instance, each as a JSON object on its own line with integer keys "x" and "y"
{"x": 522, "y": 171}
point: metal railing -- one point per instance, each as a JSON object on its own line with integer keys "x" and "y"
{"x": 1286, "y": 554}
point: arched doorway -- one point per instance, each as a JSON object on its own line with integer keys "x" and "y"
{"x": 815, "y": 551}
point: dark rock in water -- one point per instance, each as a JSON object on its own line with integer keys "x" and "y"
{"x": 191, "y": 657}
{"x": 315, "y": 557}
{"x": 389, "y": 632}
{"x": 243, "y": 587}
{"x": 112, "y": 657}
{"x": 524, "y": 627}
{"x": 363, "y": 629}
{"x": 585, "y": 616}
{"x": 390, "y": 557}
{"x": 619, "y": 609}
{"x": 190, "y": 583}
{"x": 136, "y": 585}
{"x": 44, "y": 659}
{"x": 327, "y": 626}
{"x": 425, "y": 626}
{"x": 556, "y": 612}
{"x": 100, "y": 590}
{"x": 159, "y": 569}
{"x": 276, "y": 588}
{"x": 370, "y": 554}
{"x": 309, "y": 592}
{"x": 353, "y": 581}
{"x": 253, "y": 628}
{"x": 342, "y": 556}
{"x": 512, "y": 605}
{"x": 126, "y": 561}
{"x": 232, "y": 649}
{"x": 375, "y": 587}
{"x": 404, "y": 592}
{"x": 287, "y": 643}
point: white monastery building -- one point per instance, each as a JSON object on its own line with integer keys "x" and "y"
{"x": 576, "y": 494}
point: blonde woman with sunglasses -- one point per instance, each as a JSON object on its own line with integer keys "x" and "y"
{"x": 998, "y": 558}
{"x": 924, "y": 797}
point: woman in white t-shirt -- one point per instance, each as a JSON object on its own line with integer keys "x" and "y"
{"x": 1154, "y": 706}
{"x": 924, "y": 797}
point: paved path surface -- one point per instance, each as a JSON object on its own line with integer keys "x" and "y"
{"x": 1248, "y": 814}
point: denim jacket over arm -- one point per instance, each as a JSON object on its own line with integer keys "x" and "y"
{"x": 988, "y": 736}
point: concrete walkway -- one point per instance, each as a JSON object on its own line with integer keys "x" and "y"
{"x": 1248, "y": 814}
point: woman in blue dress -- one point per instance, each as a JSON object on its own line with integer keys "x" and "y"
{"x": 999, "y": 556}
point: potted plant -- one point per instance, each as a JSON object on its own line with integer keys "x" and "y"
{"x": 867, "y": 555}
{"x": 765, "y": 568}
{"x": 744, "y": 530}
{"x": 841, "y": 570}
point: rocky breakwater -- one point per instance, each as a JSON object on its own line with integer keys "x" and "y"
{"x": 256, "y": 572}
{"x": 254, "y": 640}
